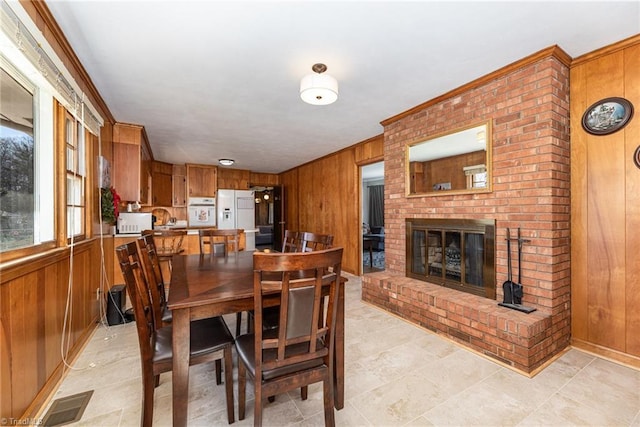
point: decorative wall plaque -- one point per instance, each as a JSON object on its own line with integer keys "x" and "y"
{"x": 607, "y": 116}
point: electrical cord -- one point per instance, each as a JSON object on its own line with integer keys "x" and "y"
{"x": 65, "y": 341}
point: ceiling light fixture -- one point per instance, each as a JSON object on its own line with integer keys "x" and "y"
{"x": 226, "y": 162}
{"x": 319, "y": 88}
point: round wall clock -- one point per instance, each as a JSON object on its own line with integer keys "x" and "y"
{"x": 607, "y": 116}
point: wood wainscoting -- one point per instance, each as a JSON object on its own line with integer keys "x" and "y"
{"x": 33, "y": 298}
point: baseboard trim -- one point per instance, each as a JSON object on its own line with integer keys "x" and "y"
{"x": 615, "y": 356}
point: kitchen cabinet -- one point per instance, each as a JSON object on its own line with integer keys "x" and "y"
{"x": 179, "y": 186}
{"x": 162, "y": 185}
{"x": 131, "y": 169}
{"x": 202, "y": 180}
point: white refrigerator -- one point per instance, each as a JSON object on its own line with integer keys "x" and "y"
{"x": 236, "y": 209}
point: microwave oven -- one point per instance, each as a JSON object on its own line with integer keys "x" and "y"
{"x": 134, "y": 222}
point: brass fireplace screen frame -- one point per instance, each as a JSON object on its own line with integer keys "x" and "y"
{"x": 446, "y": 252}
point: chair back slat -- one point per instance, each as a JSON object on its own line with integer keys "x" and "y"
{"x": 292, "y": 241}
{"x": 306, "y": 327}
{"x": 230, "y": 239}
{"x": 137, "y": 288}
{"x": 153, "y": 274}
{"x": 167, "y": 242}
{"x": 315, "y": 242}
{"x": 305, "y": 241}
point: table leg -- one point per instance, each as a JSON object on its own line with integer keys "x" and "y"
{"x": 338, "y": 374}
{"x": 181, "y": 339}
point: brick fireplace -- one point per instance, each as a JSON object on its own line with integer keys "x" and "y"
{"x": 528, "y": 105}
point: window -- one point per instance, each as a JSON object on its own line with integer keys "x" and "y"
{"x": 26, "y": 163}
{"x": 76, "y": 172}
{"x": 17, "y": 167}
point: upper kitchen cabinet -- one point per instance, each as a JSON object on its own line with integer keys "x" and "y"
{"x": 179, "y": 186}
{"x": 235, "y": 179}
{"x": 162, "y": 185}
{"x": 202, "y": 180}
{"x": 131, "y": 163}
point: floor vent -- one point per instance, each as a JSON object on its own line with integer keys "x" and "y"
{"x": 67, "y": 409}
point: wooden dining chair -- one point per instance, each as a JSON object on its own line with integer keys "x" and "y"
{"x": 301, "y": 351}
{"x": 153, "y": 274}
{"x": 230, "y": 238}
{"x": 292, "y": 241}
{"x": 168, "y": 243}
{"x": 211, "y": 339}
{"x": 315, "y": 241}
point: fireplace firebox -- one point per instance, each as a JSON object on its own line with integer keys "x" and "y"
{"x": 456, "y": 253}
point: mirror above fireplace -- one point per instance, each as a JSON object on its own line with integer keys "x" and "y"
{"x": 457, "y": 162}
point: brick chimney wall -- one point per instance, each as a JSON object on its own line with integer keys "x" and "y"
{"x": 529, "y": 112}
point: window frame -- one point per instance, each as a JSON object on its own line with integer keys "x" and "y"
{"x": 44, "y": 206}
{"x": 76, "y": 177}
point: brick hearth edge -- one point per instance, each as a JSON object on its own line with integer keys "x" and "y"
{"x": 522, "y": 341}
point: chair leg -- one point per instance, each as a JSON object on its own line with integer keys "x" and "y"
{"x": 242, "y": 383}
{"x": 228, "y": 379}
{"x": 329, "y": 416}
{"x": 218, "y": 372}
{"x": 257, "y": 404}
{"x": 304, "y": 392}
{"x": 148, "y": 386}
{"x": 238, "y": 323}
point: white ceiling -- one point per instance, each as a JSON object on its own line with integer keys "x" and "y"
{"x": 214, "y": 79}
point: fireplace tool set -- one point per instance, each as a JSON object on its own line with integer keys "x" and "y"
{"x": 513, "y": 290}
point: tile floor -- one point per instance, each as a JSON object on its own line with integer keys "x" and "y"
{"x": 397, "y": 375}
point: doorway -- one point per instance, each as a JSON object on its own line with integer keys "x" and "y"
{"x": 372, "y": 214}
{"x": 269, "y": 210}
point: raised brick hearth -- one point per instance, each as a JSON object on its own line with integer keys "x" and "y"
{"x": 523, "y": 341}
{"x": 528, "y": 105}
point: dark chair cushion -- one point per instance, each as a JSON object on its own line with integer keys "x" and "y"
{"x": 245, "y": 347}
{"x": 207, "y": 335}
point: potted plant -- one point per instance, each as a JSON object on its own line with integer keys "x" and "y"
{"x": 109, "y": 201}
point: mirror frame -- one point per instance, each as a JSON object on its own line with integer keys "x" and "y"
{"x": 488, "y": 162}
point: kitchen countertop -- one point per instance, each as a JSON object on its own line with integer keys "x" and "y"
{"x": 190, "y": 230}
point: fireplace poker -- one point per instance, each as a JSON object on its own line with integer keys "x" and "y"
{"x": 513, "y": 291}
{"x": 507, "y": 286}
{"x": 517, "y": 286}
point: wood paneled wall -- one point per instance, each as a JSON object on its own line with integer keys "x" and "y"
{"x": 33, "y": 289}
{"x": 324, "y": 196}
{"x": 605, "y": 214}
{"x": 235, "y": 179}
{"x": 33, "y": 298}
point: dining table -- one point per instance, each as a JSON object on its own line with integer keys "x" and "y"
{"x": 204, "y": 286}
